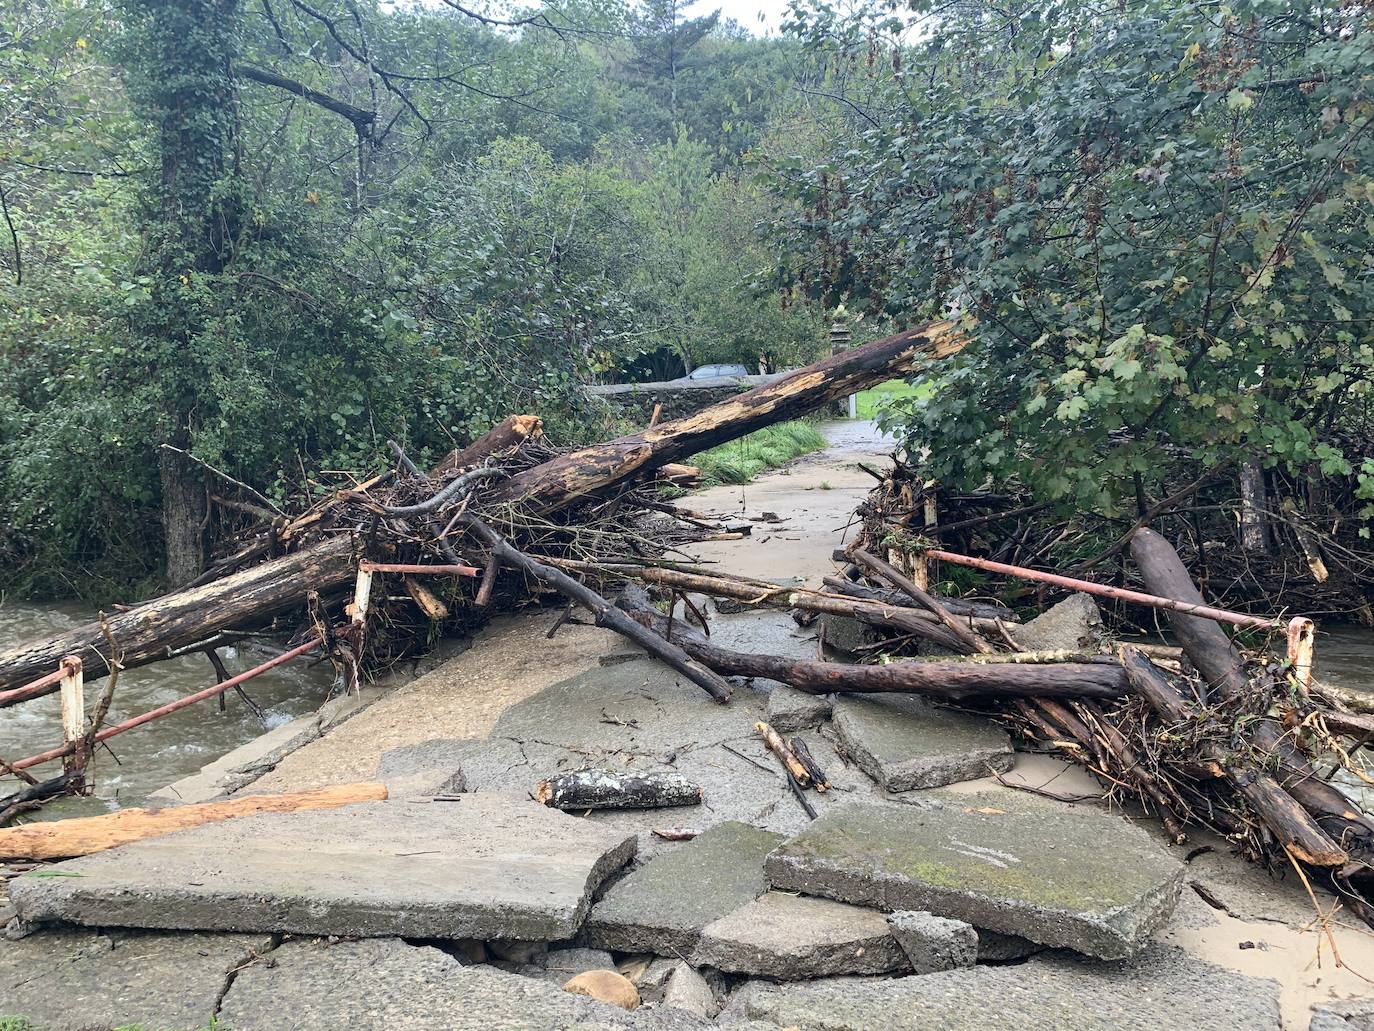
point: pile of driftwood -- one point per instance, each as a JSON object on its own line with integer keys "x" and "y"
{"x": 1254, "y": 540}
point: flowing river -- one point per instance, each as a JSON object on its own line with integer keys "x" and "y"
{"x": 157, "y": 753}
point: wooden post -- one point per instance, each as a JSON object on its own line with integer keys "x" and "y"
{"x": 1301, "y": 639}
{"x": 73, "y": 690}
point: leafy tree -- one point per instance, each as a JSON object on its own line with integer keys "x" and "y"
{"x": 1157, "y": 216}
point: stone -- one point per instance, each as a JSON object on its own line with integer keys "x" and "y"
{"x": 1073, "y": 624}
{"x": 567, "y": 962}
{"x": 906, "y": 743}
{"x": 662, "y": 906}
{"x": 1163, "y": 987}
{"x": 384, "y": 984}
{"x": 1347, "y": 1015}
{"x": 519, "y": 952}
{"x": 790, "y": 710}
{"x": 485, "y": 867}
{"x": 847, "y": 634}
{"x": 687, "y": 990}
{"x": 934, "y": 943}
{"x": 605, "y": 986}
{"x": 791, "y": 937}
{"x": 1092, "y": 883}
{"x": 65, "y": 980}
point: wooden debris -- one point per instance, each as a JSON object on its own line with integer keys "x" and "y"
{"x": 63, "y": 839}
{"x": 794, "y": 766}
{"x": 602, "y": 789}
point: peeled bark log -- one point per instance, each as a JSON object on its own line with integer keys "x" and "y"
{"x": 63, "y": 839}
{"x": 600, "y": 789}
{"x": 585, "y": 472}
{"x": 942, "y": 680}
{"x": 501, "y": 439}
{"x": 147, "y": 632}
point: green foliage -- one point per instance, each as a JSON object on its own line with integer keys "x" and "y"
{"x": 739, "y": 461}
{"x": 872, "y": 403}
{"x": 1157, "y": 216}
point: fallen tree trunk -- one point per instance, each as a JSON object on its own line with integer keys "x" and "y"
{"x": 63, "y": 839}
{"x": 584, "y": 472}
{"x": 146, "y": 633}
{"x": 952, "y": 681}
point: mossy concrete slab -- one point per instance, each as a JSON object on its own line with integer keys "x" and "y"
{"x": 908, "y": 743}
{"x": 1095, "y": 885}
{"x": 662, "y": 906}
{"x": 793, "y": 937}
{"x": 74, "y": 980}
{"x": 1163, "y": 988}
{"x": 486, "y": 866}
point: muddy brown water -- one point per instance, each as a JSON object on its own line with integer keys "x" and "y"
{"x": 180, "y": 744}
{"x": 159, "y": 752}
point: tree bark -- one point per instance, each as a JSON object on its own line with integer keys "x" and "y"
{"x": 183, "y": 518}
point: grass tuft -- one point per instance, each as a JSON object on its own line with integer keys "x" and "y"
{"x": 741, "y": 460}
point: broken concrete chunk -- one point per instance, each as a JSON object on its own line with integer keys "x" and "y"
{"x": 384, "y": 984}
{"x": 1091, "y": 883}
{"x": 1004, "y": 948}
{"x": 1348, "y": 1015}
{"x": 791, "y": 711}
{"x": 485, "y": 867}
{"x": 790, "y": 938}
{"x": 1162, "y": 988}
{"x": 934, "y": 943}
{"x": 687, "y": 990}
{"x": 662, "y": 906}
{"x": 604, "y": 986}
{"x": 1074, "y": 624}
{"x": 64, "y": 980}
{"x": 906, "y": 743}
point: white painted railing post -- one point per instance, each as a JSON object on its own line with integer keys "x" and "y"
{"x": 73, "y": 687}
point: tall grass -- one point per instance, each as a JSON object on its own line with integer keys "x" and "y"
{"x": 741, "y": 460}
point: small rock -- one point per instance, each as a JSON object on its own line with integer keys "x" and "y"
{"x": 688, "y": 990}
{"x": 568, "y": 962}
{"x": 605, "y": 986}
{"x": 933, "y": 943}
{"x": 847, "y": 634}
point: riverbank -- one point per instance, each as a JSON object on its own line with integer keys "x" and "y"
{"x": 1239, "y": 950}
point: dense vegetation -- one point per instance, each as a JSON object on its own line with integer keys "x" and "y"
{"x": 275, "y": 233}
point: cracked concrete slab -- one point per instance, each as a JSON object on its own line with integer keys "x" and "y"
{"x": 934, "y": 943}
{"x": 793, "y": 937}
{"x": 1161, "y": 988}
{"x": 384, "y": 984}
{"x": 908, "y": 743}
{"x": 662, "y": 906}
{"x": 75, "y": 980}
{"x": 485, "y": 866}
{"x": 1095, "y": 884}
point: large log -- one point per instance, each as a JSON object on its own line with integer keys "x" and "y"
{"x": 942, "y": 680}
{"x": 147, "y": 632}
{"x": 63, "y": 839}
{"x": 584, "y": 472}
